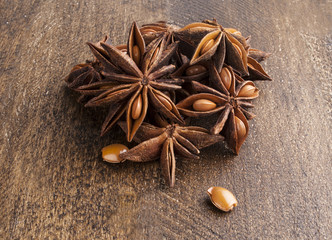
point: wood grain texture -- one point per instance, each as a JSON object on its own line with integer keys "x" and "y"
{"x": 54, "y": 185}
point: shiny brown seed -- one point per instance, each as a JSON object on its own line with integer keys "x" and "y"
{"x": 222, "y": 198}
{"x": 111, "y": 153}
{"x": 226, "y": 77}
{"x": 164, "y": 101}
{"x": 238, "y": 49}
{"x": 136, "y": 54}
{"x": 207, "y": 46}
{"x": 240, "y": 128}
{"x": 195, "y": 70}
{"x": 203, "y": 105}
{"x": 136, "y": 108}
{"x": 247, "y": 91}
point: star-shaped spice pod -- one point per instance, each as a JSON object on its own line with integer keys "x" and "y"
{"x": 230, "y": 98}
{"x": 250, "y": 56}
{"x": 134, "y": 81}
{"x": 216, "y": 43}
{"x": 202, "y": 69}
{"x": 154, "y": 30}
{"x": 166, "y": 143}
{"x": 86, "y": 73}
{"x": 224, "y": 45}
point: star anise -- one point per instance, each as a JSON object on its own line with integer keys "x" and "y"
{"x": 199, "y": 70}
{"x": 224, "y": 45}
{"x": 230, "y": 97}
{"x": 166, "y": 143}
{"x": 212, "y": 41}
{"x": 153, "y": 30}
{"x": 134, "y": 81}
{"x": 86, "y": 73}
{"x": 254, "y": 56}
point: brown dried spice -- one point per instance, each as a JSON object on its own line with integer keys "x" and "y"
{"x": 198, "y": 70}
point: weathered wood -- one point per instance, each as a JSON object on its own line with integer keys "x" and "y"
{"x": 54, "y": 185}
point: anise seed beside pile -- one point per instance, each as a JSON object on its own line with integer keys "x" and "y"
{"x": 163, "y": 77}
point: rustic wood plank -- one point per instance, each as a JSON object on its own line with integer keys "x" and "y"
{"x": 53, "y": 184}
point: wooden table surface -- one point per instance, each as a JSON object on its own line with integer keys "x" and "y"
{"x": 54, "y": 185}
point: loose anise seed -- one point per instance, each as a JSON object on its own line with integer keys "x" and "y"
{"x": 195, "y": 70}
{"x": 226, "y": 77}
{"x": 247, "y": 91}
{"x": 111, "y": 153}
{"x": 203, "y": 105}
{"x": 238, "y": 49}
{"x": 165, "y": 102}
{"x": 207, "y": 46}
{"x": 136, "y": 54}
{"x": 136, "y": 108}
{"x": 222, "y": 198}
{"x": 240, "y": 128}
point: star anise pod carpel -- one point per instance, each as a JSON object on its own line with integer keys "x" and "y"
{"x": 256, "y": 71}
{"x": 134, "y": 81}
{"x": 165, "y": 143}
{"x": 230, "y": 97}
{"x": 258, "y": 55}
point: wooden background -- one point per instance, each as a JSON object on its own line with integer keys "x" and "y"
{"x": 54, "y": 185}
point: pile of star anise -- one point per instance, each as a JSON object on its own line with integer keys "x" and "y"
{"x": 163, "y": 77}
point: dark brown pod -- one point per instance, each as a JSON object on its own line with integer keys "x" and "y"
{"x": 188, "y": 73}
{"x": 82, "y": 74}
{"x": 194, "y": 32}
{"x": 246, "y": 90}
{"x": 134, "y": 123}
{"x": 167, "y": 142}
{"x": 258, "y": 55}
{"x": 207, "y": 47}
{"x": 136, "y": 44}
{"x": 236, "y": 58}
{"x": 256, "y": 71}
{"x": 187, "y": 108}
{"x": 236, "y": 130}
